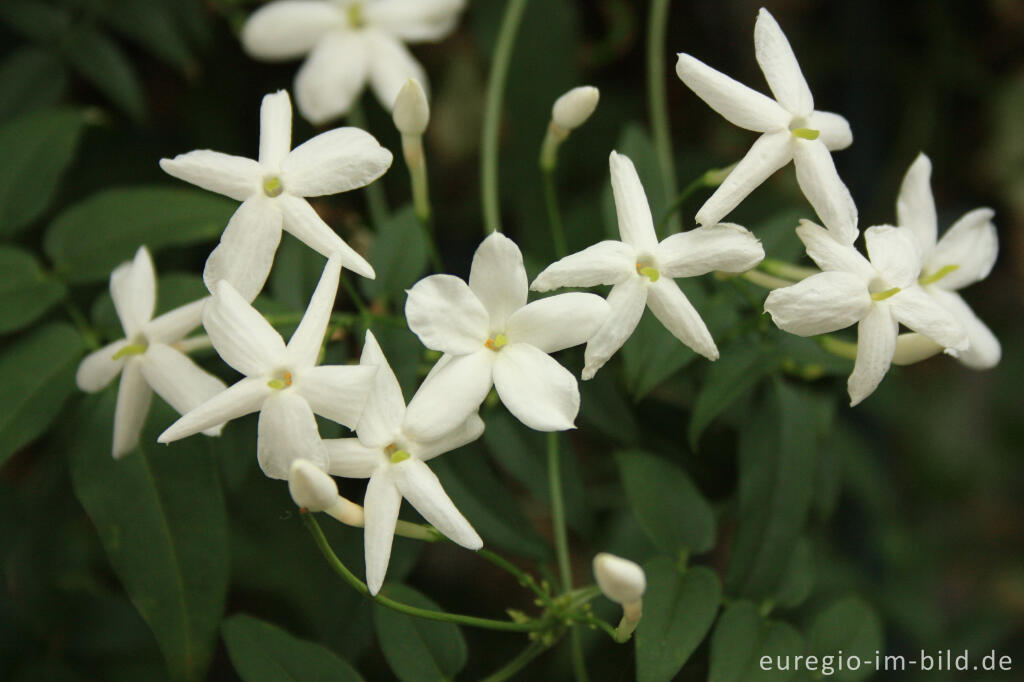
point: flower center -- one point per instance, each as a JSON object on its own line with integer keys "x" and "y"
{"x": 138, "y": 346}
{"x": 805, "y": 133}
{"x": 496, "y": 342}
{"x": 272, "y": 186}
{"x": 282, "y": 379}
{"x": 648, "y": 271}
{"x": 354, "y": 13}
{"x": 938, "y": 274}
{"x": 396, "y": 454}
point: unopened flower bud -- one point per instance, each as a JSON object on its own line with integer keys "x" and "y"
{"x": 411, "y": 112}
{"x": 310, "y": 487}
{"x": 621, "y": 580}
{"x": 574, "y": 107}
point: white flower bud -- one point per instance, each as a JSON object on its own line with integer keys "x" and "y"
{"x": 411, "y": 112}
{"x": 574, "y": 107}
{"x": 621, "y": 580}
{"x": 310, "y": 487}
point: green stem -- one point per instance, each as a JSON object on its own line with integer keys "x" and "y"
{"x": 838, "y": 347}
{"x": 656, "y": 28}
{"x": 554, "y": 214}
{"x": 89, "y": 335}
{"x": 443, "y": 616}
{"x": 524, "y": 578}
{"x": 492, "y": 114}
{"x": 579, "y": 663}
{"x": 532, "y": 651}
{"x": 680, "y": 200}
{"x": 357, "y": 300}
{"x": 375, "y": 199}
{"x": 765, "y": 280}
{"x": 785, "y": 270}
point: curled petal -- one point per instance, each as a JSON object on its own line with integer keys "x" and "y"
{"x": 607, "y": 262}
{"x": 99, "y": 367}
{"x": 769, "y": 153}
{"x": 832, "y": 255}
{"x": 820, "y": 304}
{"x": 833, "y": 130}
{"x": 467, "y": 432}
{"x": 915, "y": 205}
{"x": 337, "y": 392}
{"x": 381, "y": 515}
{"x": 447, "y": 315}
{"x": 304, "y": 346}
{"x": 308, "y": 227}
{"x": 636, "y": 226}
{"x": 133, "y": 398}
{"x": 876, "y": 344}
{"x": 183, "y": 384}
{"x": 820, "y": 182}
{"x": 385, "y": 407}
{"x": 984, "y": 351}
{"x": 780, "y": 67}
{"x": 670, "y": 305}
{"x": 238, "y": 400}
{"x": 893, "y": 255}
{"x": 738, "y": 104}
{"x": 725, "y": 247}
{"x": 498, "y": 278}
{"x": 390, "y": 66}
{"x": 536, "y": 389}
{"x": 288, "y": 29}
{"x": 626, "y": 303}
{"x": 287, "y": 432}
{"x": 349, "y": 458}
{"x": 449, "y": 395}
{"x": 971, "y": 244}
{"x": 241, "y": 336}
{"x": 332, "y": 76}
{"x": 336, "y": 161}
{"x": 923, "y": 314}
{"x": 233, "y": 176}
{"x": 246, "y": 250}
{"x": 175, "y": 324}
{"x": 133, "y": 289}
{"x": 558, "y": 322}
{"x": 418, "y": 484}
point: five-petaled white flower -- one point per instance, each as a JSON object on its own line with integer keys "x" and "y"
{"x": 146, "y": 358}
{"x": 283, "y": 382}
{"x": 273, "y": 190}
{"x": 877, "y": 295}
{"x": 964, "y": 255}
{"x": 491, "y": 336}
{"x": 395, "y": 462}
{"x": 348, "y": 42}
{"x": 641, "y": 270}
{"x": 791, "y": 130}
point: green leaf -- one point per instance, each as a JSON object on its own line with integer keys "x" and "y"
{"x": 152, "y": 27}
{"x": 297, "y": 269}
{"x": 41, "y": 22}
{"x": 104, "y": 64}
{"x": 36, "y": 149}
{"x": 651, "y": 355}
{"x": 798, "y": 576}
{"x": 92, "y": 237}
{"x": 25, "y": 290}
{"x": 742, "y": 637}
{"x": 418, "y": 650}
{"x": 740, "y": 368}
{"x": 160, "y": 516}
{"x": 398, "y": 254}
{"x": 679, "y": 609}
{"x": 262, "y": 652}
{"x": 30, "y": 78}
{"x": 39, "y": 374}
{"x": 668, "y": 505}
{"x": 851, "y": 626}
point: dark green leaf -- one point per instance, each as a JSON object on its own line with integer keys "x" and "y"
{"x": 418, "y": 650}
{"x": 89, "y": 239}
{"x": 679, "y": 609}
{"x": 604, "y": 407}
{"x": 30, "y": 78}
{"x": 25, "y": 291}
{"x": 262, "y": 652}
{"x": 297, "y": 269}
{"x": 398, "y": 254}
{"x": 39, "y": 374}
{"x": 39, "y": 21}
{"x": 851, "y": 626}
{"x": 798, "y": 576}
{"x": 740, "y": 367}
{"x": 742, "y": 637}
{"x": 152, "y": 27}
{"x": 104, "y": 64}
{"x": 651, "y": 355}
{"x": 669, "y": 507}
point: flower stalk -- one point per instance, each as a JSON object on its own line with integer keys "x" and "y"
{"x": 656, "y": 100}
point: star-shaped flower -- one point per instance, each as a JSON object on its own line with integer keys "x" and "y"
{"x": 791, "y": 130}
{"x": 641, "y": 270}
{"x": 395, "y": 462}
{"x": 878, "y": 296}
{"x": 282, "y": 382}
{"x": 146, "y": 358}
{"x": 491, "y": 336}
{"x": 964, "y": 255}
{"x": 348, "y": 42}
{"x": 273, "y": 191}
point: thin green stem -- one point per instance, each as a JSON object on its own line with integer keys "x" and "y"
{"x": 524, "y": 578}
{"x": 579, "y": 663}
{"x": 376, "y": 201}
{"x": 680, "y": 200}
{"x": 838, "y": 347}
{"x": 443, "y": 616}
{"x": 492, "y": 114}
{"x": 89, "y": 335}
{"x": 765, "y": 280}
{"x": 532, "y": 651}
{"x": 554, "y": 214}
{"x": 785, "y": 270}
{"x": 357, "y": 300}
{"x": 656, "y": 28}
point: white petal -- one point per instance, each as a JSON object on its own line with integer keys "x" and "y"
{"x": 415, "y": 20}
{"x": 876, "y": 344}
{"x": 288, "y": 28}
{"x": 780, "y": 67}
{"x": 726, "y": 247}
{"x": 626, "y": 303}
{"x": 893, "y": 255}
{"x": 607, "y": 262}
{"x": 246, "y": 250}
{"x": 450, "y": 395}
{"x": 175, "y": 324}
{"x": 819, "y": 180}
{"x": 558, "y": 322}
{"x": 237, "y": 400}
{"x": 498, "y": 278}
{"x": 820, "y": 304}
{"x": 970, "y": 243}
{"x": 915, "y": 206}
{"x": 310, "y": 487}
{"x": 420, "y": 486}
{"x": 737, "y": 103}
{"x": 275, "y": 128}
{"x": 536, "y": 389}
{"x": 832, "y": 255}
{"x": 834, "y": 130}
{"x": 349, "y": 458}
{"x": 332, "y": 76}
{"x": 923, "y": 314}
{"x": 447, "y": 315}
{"x": 670, "y": 305}
{"x": 287, "y": 432}
{"x": 385, "y": 407}
{"x": 336, "y": 161}
{"x": 308, "y": 227}
{"x": 912, "y": 348}
{"x": 304, "y": 346}
{"x": 381, "y": 513}
{"x": 335, "y": 391}
{"x": 984, "y": 351}
{"x": 241, "y": 336}
{"x": 133, "y": 288}
{"x": 466, "y": 432}
{"x": 390, "y": 66}
{"x": 636, "y": 226}
{"x": 183, "y": 384}
{"x": 233, "y": 176}
{"x": 133, "y": 398}
{"x": 99, "y": 367}
{"x": 769, "y": 153}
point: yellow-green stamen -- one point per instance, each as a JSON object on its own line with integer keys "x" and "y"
{"x": 805, "y": 133}
{"x": 497, "y": 342}
{"x": 882, "y": 295}
{"x": 649, "y": 272}
{"x": 284, "y": 381}
{"x": 272, "y": 186}
{"x": 399, "y": 456}
{"x": 130, "y": 349}
{"x": 354, "y": 12}
{"x": 938, "y": 274}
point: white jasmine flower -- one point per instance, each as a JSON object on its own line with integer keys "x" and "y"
{"x": 146, "y": 358}
{"x": 273, "y": 193}
{"x": 876, "y": 295}
{"x": 964, "y": 255}
{"x": 791, "y": 130}
{"x": 572, "y": 109}
{"x": 349, "y": 42}
{"x": 282, "y": 382}
{"x": 395, "y": 462}
{"x": 491, "y": 336}
{"x": 641, "y": 270}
